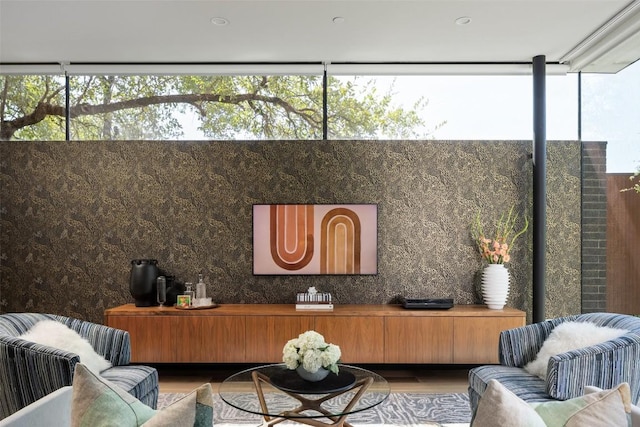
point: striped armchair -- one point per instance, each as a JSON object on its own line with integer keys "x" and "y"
{"x": 604, "y": 365}
{"x": 29, "y": 371}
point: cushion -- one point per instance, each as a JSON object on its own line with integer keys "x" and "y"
{"x": 97, "y": 402}
{"x": 570, "y": 336}
{"x": 498, "y": 406}
{"x": 604, "y": 408}
{"x": 635, "y": 410}
{"x": 194, "y": 409}
{"x": 58, "y": 335}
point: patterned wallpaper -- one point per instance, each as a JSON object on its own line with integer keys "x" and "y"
{"x": 74, "y": 214}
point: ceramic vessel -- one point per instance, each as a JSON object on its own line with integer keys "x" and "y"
{"x": 495, "y": 286}
{"x": 142, "y": 282}
{"x": 319, "y": 375}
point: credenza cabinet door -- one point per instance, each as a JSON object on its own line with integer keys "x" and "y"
{"x": 361, "y": 339}
{"x": 210, "y": 339}
{"x": 418, "y": 340}
{"x": 477, "y": 338}
{"x": 267, "y": 335}
{"x": 152, "y": 338}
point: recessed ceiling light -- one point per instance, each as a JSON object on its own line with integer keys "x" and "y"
{"x": 219, "y": 20}
{"x": 338, "y": 20}
{"x": 463, "y": 20}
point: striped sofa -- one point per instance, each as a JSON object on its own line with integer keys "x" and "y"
{"x": 29, "y": 371}
{"x": 604, "y": 365}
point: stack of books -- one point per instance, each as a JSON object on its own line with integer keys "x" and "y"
{"x": 314, "y": 301}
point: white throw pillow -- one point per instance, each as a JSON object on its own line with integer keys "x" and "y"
{"x": 58, "y": 335}
{"x": 570, "y": 336}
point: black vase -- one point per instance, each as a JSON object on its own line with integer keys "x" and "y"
{"x": 142, "y": 282}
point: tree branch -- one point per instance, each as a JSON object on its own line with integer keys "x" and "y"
{"x": 44, "y": 109}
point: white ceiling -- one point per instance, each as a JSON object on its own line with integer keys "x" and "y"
{"x": 418, "y": 31}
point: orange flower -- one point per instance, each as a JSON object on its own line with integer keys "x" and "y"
{"x": 496, "y": 250}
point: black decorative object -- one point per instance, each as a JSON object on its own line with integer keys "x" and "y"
{"x": 174, "y": 288}
{"x": 142, "y": 282}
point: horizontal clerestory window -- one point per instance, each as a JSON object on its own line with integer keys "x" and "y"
{"x": 245, "y": 103}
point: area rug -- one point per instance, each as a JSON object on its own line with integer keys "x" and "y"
{"x": 399, "y": 409}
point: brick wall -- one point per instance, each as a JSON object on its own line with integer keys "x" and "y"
{"x": 594, "y": 227}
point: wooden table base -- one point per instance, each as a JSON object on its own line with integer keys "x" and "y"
{"x": 309, "y": 404}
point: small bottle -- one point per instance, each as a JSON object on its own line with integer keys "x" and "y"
{"x": 201, "y": 288}
{"x": 161, "y": 290}
{"x": 190, "y": 292}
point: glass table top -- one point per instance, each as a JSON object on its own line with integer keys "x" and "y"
{"x": 353, "y": 390}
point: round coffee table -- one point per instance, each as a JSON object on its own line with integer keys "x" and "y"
{"x": 277, "y": 394}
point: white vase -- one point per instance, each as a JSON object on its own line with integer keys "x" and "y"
{"x": 319, "y": 375}
{"x": 495, "y": 286}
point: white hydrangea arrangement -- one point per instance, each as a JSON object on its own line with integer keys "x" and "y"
{"x": 310, "y": 351}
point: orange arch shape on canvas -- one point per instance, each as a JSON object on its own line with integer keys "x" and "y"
{"x": 291, "y": 235}
{"x": 340, "y": 242}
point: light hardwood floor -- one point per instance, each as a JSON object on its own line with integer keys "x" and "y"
{"x": 403, "y": 378}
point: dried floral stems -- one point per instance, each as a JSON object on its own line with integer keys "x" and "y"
{"x": 496, "y": 250}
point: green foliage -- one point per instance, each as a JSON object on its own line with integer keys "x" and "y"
{"x": 226, "y": 107}
{"x": 20, "y": 98}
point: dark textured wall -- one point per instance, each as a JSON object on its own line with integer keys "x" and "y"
{"x": 73, "y": 215}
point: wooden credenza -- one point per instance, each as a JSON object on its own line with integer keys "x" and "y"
{"x": 248, "y": 333}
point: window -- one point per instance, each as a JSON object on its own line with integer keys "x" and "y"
{"x": 196, "y": 107}
{"x": 462, "y": 107}
{"x": 148, "y": 107}
{"x": 19, "y": 97}
{"x": 192, "y": 107}
{"x": 611, "y": 112}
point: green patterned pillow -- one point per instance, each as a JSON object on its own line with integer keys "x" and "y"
{"x": 499, "y": 406}
{"x": 195, "y": 409}
{"x": 96, "y": 402}
{"x": 603, "y": 408}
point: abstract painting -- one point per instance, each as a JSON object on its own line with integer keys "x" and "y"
{"x": 315, "y": 239}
